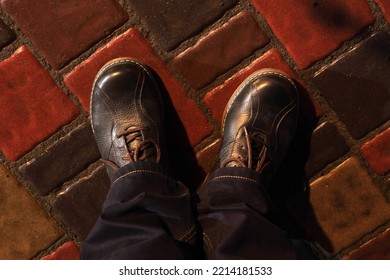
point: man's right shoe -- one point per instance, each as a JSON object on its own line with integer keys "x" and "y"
{"x": 127, "y": 115}
{"x": 259, "y": 122}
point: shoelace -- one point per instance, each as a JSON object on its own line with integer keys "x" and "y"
{"x": 144, "y": 150}
{"x": 255, "y": 143}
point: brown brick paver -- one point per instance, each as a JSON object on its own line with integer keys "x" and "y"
{"x": 345, "y": 205}
{"x": 25, "y": 227}
{"x": 334, "y": 186}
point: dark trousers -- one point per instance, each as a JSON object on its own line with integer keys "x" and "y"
{"x": 148, "y": 215}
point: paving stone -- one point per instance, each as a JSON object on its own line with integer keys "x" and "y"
{"x": 26, "y": 229}
{"x": 375, "y": 249}
{"x": 217, "y": 98}
{"x": 385, "y": 6}
{"x": 377, "y": 152}
{"x": 360, "y": 95}
{"x": 80, "y": 204}
{"x": 67, "y": 251}
{"x": 31, "y": 103}
{"x": 6, "y": 35}
{"x": 171, "y": 22}
{"x": 66, "y": 158}
{"x": 62, "y": 30}
{"x": 327, "y": 145}
{"x": 220, "y": 50}
{"x": 207, "y": 156}
{"x": 344, "y": 206}
{"x": 132, "y": 44}
{"x": 310, "y": 30}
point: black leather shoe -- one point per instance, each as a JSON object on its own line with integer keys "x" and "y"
{"x": 259, "y": 122}
{"x": 127, "y": 115}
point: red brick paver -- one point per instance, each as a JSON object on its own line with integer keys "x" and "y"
{"x": 333, "y": 187}
{"x": 311, "y": 30}
{"x": 33, "y": 110}
{"x": 385, "y": 6}
{"x": 62, "y": 30}
{"x": 377, "y": 152}
{"x": 67, "y": 251}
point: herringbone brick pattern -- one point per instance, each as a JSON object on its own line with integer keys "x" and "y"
{"x": 333, "y": 191}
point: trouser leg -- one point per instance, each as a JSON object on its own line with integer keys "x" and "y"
{"x": 232, "y": 214}
{"x": 146, "y": 215}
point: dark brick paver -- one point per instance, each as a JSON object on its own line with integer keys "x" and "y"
{"x": 326, "y": 146}
{"x": 334, "y": 187}
{"x": 360, "y": 92}
{"x": 219, "y": 51}
{"x": 6, "y": 35}
{"x": 51, "y": 169}
{"x": 172, "y": 22}
{"x": 79, "y": 204}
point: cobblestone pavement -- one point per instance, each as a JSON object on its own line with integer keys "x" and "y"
{"x": 333, "y": 191}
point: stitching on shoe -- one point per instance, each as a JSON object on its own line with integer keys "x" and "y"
{"x": 208, "y": 243}
{"x": 234, "y": 177}
{"x": 136, "y": 171}
{"x": 188, "y": 235}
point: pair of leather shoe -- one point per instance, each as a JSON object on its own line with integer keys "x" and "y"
{"x": 128, "y": 118}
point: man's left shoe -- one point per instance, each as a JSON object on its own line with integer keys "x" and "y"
{"x": 127, "y": 115}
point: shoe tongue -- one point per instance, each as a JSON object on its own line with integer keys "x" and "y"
{"x": 235, "y": 163}
{"x": 131, "y": 142}
{"x": 145, "y": 150}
